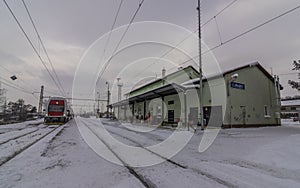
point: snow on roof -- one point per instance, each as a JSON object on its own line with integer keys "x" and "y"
{"x": 190, "y": 82}
{"x": 295, "y": 102}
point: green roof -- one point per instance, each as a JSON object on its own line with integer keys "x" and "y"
{"x": 177, "y": 77}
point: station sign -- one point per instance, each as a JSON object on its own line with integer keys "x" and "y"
{"x": 237, "y": 85}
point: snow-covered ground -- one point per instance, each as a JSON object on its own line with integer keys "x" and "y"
{"x": 254, "y": 157}
{"x": 19, "y": 126}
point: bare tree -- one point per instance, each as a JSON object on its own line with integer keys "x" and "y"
{"x": 292, "y": 83}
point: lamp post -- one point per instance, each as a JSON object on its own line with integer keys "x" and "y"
{"x": 108, "y": 94}
{"x": 231, "y": 79}
{"x": 200, "y": 67}
{"x": 98, "y": 106}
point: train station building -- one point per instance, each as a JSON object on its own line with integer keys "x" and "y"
{"x": 246, "y": 96}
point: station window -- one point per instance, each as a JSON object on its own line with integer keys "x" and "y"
{"x": 170, "y": 102}
{"x": 266, "y": 111}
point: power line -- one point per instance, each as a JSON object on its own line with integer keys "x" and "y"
{"x": 218, "y": 28}
{"x": 109, "y": 36}
{"x": 252, "y": 29}
{"x": 191, "y": 34}
{"x": 244, "y": 33}
{"x": 26, "y": 83}
{"x": 17, "y": 87}
{"x": 126, "y": 30}
{"x": 167, "y": 52}
{"x": 50, "y": 92}
{"x": 14, "y": 86}
{"x": 30, "y": 42}
{"x": 186, "y": 61}
{"x": 6, "y": 69}
{"x": 113, "y": 25}
{"x": 220, "y": 12}
{"x": 43, "y": 46}
{"x": 285, "y": 74}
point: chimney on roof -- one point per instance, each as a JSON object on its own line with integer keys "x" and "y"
{"x": 163, "y": 72}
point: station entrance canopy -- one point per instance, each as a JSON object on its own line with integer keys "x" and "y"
{"x": 166, "y": 90}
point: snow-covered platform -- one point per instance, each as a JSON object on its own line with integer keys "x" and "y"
{"x": 254, "y": 157}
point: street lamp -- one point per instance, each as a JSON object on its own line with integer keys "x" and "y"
{"x": 230, "y": 80}
{"x": 200, "y": 66}
{"x": 13, "y": 77}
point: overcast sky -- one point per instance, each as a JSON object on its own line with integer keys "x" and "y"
{"x": 69, "y": 27}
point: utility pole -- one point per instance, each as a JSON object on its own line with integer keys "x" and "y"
{"x": 41, "y": 101}
{"x": 98, "y": 106}
{"x": 200, "y": 67}
{"x": 120, "y": 85}
{"x": 2, "y": 100}
{"x": 108, "y": 93}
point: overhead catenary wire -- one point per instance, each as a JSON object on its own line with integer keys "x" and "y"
{"x": 218, "y": 28}
{"x": 191, "y": 34}
{"x": 17, "y": 87}
{"x": 50, "y": 92}
{"x": 166, "y": 53}
{"x": 220, "y": 12}
{"x": 31, "y": 44}
{"x": 121, "y": 39}
{"x": 286, "y": 74}
{"x": 109, "y": 36}
{"x": 26, "y": 83}
{"x": 44, "y": 49}
{"x": 14, "y": 87}
{"x": 6, "y": 70}
{"x": 252, "y": 29}
{"x": 243, "y": 33}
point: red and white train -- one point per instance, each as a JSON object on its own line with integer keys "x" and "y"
{"x": 57, "y": 111}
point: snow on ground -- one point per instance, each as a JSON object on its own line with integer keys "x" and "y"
{"x": 65, "y": 161}
{"x": 15, "y": 133}
{"x": 290, "y": 122}
{"x": 10, "y": 147}
{"x": 253, "y": 157}
{"x": 20, "y": 125}
{"x": 240, "y": 157}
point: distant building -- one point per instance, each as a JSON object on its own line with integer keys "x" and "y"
{"x": 243, "y": 97}
{"x": 290, "y": 108}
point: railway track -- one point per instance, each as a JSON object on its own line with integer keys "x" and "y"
{"x": 131, "y": 170}
{"x": 6, "y": 157}
{"x": 19, "y": 136}
{"x": 139, "y": 176}
{"x": 26, "y": 126}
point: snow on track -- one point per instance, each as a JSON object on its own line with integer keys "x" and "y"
{"x": 244, "y": 158}
{"x": 121, "y": 158}
{"x": 256, "y": 157}
{"x": 13, "y": 146}
{"x": 170, "y": 169}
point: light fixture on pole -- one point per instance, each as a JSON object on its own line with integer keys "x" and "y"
{"x": 13, "y": 77}
{"x": 229, "y": 81}
{"x": 200, "y": 67}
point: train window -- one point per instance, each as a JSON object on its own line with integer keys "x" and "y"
{"x": 56, "y": 108}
